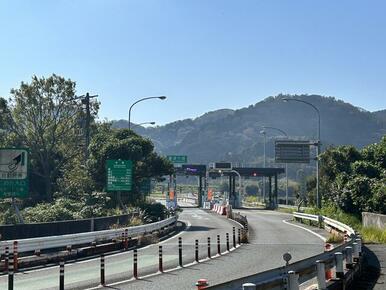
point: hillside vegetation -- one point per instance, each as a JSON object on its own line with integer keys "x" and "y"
{"x": 233, "y": 135}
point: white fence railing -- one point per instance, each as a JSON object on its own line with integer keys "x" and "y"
{"x": 27, "y": 245}
{"x": 337, "y": 225}
{"x": 306, "y": 269}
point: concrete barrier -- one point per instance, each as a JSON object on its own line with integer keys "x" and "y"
{"x": 374, "y": 220}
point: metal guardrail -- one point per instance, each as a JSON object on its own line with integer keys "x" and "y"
{"x": 27, "y": 245}
{"x": 311, "y": 217}
{"x": 337, "y": 225}
{"x": 306, "y": 269}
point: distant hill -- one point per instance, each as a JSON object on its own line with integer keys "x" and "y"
{"x": 381, "y": 115}
{"x": 234, "y": 135}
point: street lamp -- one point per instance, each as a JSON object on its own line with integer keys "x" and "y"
{"x": 318, "y": 197}
{"x": 286, "y": 165}
{"x": 140, "y": 100}
{"x": 238, "y": 174}
{"x": 265, "y": 141}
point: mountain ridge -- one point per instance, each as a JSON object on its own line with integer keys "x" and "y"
{"x": 234, "y": 135}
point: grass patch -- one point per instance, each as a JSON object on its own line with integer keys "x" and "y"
{"x": 334, "y": 239}
{"x": 337, "y": 214}
{"x": 373, "y": 235}
{"x": 369, "y": 234}
{"x": 286, "y": 210}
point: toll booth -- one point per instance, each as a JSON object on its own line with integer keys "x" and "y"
{"x": 270, "y": 173}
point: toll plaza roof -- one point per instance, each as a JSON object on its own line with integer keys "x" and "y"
{"x": 249, "y": 172}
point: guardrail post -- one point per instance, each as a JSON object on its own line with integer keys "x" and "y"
{"x": 6, "y": 259}
{"x": 227, "y": 237}
{"x": 293, "y": 280}
{"x": 339, "y": 273}
{"x": 180, "y": 251}
{"x": 355, "y": 252}
{"x": 209, "y": 255}
{"x": 126, "y": 239}
{"x": 249, "y": 286}
{"x": 135, "y": 265}
{"x": 349, "y": 258}
{"x": 239, "y": 236}
{"x": 61, "y": 274}
{"x": 218, "y": 245}
{"x": 15, "y": 256}
{"x": 321, "y": 272}
{"x": 359, "y": 241}
{"x": 102, "y": 265}
{"x": 10, "y": 272}
{"x": 196, "y": 251}
{"x": 320, "y": 221}
{"x": 234, "y": 237}
{"x": 160, "y": 264}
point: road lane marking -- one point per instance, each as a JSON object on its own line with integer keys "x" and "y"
{"x": 308, "y": 230}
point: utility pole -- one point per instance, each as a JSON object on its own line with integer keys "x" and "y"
{"x": 86, "y": 101}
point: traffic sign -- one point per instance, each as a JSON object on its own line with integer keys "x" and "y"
{"x": 119, "y": 175}
{"x": 292, "y": 151}
{"x": 177, "y": 158}
{"x": 13, "y": 172}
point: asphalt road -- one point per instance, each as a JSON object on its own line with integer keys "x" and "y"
{"x": 85, "y": 274}
{"x": 270, "y": 238}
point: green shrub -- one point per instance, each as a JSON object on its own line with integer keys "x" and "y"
{"x": 154, "y": 211}
{"x": 373, "y": 235}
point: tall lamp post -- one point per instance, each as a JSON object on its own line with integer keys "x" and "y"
{"x": 265, "y": 141}
{"x": 238, "y": 174}
{"x": 286, "y": 165}
{"x": 318, "y": 197}
{"x": 140, "y": 100}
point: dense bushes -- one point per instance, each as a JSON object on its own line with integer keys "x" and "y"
{"x": 355, "y": 180}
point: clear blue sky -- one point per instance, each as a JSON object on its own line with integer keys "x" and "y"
{"x": 203, "y": 55}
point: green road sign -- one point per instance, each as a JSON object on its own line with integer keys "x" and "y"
{"x": 178, "y": 158}
{"x": 119, "y": 175}
{"x": 13, "y": 172}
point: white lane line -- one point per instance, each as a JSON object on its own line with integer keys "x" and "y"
{"x": 165, "y": 271}
{"x": 308, "y": 230}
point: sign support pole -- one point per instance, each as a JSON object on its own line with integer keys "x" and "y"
{"x": 17, "y": 211}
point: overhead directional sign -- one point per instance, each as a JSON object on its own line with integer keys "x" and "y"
{"x": 179, "y": 159}
{"x": 13, "y": 172}
{"x": 119, "y": 175}
{"x": 194, "y": 169}
{"x": 292, "y": 151}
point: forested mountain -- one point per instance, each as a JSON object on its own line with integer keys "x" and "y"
{"x": 234, "y": 135}
{"x": 381, "y": 115}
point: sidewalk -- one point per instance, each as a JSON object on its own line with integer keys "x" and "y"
{"x": 374, "y": 268}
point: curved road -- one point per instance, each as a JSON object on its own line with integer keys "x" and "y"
{"x": 270, "y": 237}
{"x": 85, "y": 274}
